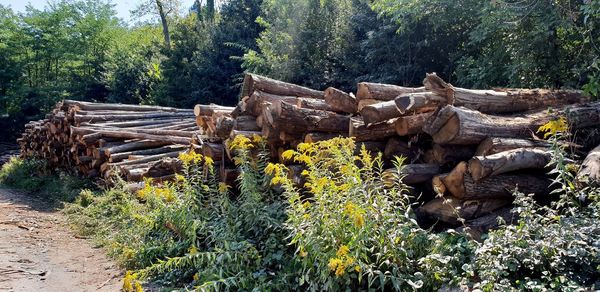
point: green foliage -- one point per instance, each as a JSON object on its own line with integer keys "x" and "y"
{"x": 31, "y": 175}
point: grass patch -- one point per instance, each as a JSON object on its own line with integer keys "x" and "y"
{"x": 33, "y": 177}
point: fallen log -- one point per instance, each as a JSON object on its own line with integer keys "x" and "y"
{"x": 398, "y": 147}
{"x": 589, "y": 174}
{"x": 131, "y": 146}
{"x": 211, "y": 109}
{"x": 301, "y": 120}
{"x": 253, "y": 82}
{"x": 411, "y": 173}
{"x": 453, "y": 125}
{"x": 117, "y": 157}
{"x": 493, "y": 145}
{"x": 506, "y": 101}
{"x": 90, "y": 106}
{"x": 361, "y": 132}
{"x": 445, "y": 154}
{"x": 340, "y": 101}
{"x": 507, "y": 161}
{"x": 314, "y": 137}
{"x": 479, "y": 226}
{"x": 454, "y": 211}
{"x": 378, "y": 91}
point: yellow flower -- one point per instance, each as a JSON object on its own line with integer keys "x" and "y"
{"x": 196, "y": 277}
{"x": 554, "y": 126}
{"x": 208, "y": 161}
{"x": 305, "y": 172}
{"x": 223, "y": 187}
{"x": 302, "y": 252}
{"x": 271, "y": 168}
{"x": 306, "y": 204}
{"x": 192, "y": 250}
{"x": 342, "y": 251}
{"x": 303, "y": 147}
{"x": 341, "y": 269}
{"x": 359, "y": 220}
{"x": 257, "y": 138}
{"x": 305, "y": 216}
{"x": 190, "y": 157}
{"x": 288, "y": 154}
{"x": 334, "y": 263}
{"x": 240, "y": 142}
{"x": 357, "y": 269}
{"x": 349, "y": 261}
{"x": 179, "y": 177}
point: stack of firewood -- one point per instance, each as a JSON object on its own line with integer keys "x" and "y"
{"x": 466, "y": 150}
{"x": 97, "y": 139}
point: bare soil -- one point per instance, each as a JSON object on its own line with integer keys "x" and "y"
{"x": 38, "y": 251}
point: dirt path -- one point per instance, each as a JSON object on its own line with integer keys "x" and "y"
{"x": 38, "y": 252}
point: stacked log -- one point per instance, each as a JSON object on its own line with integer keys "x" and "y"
{"x": 465, "y": 150}
{"x": 98, "y": 139}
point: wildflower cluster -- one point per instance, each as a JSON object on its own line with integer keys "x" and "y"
{"x": 342, "y": 261}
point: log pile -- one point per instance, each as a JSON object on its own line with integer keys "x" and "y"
{"x": 97, "y": 139}
{"x": 466, "y": 150}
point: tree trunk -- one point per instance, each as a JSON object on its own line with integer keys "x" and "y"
{"x": 419, "y": 102}
{"x": 131, "y": 146}
{"x": 368, "y": 90}
{"x": 314, "y": 137}
{"x": 589, "y": 174}
{"x": 411, "y": 125}
{"x": 299, "y": 120}
{"x": 341, "y": 101}
{"x": 157, "y": 136}
{"x": 452, "y": 125}
{"x": 379, "y": 112}
{"x": 117, "y": 157}
{"x": 92, "y": 106}
{"x": 397, "y": 147}
{"x": 511, "y": 160}
{"x": 211, "y": 109}
{"x": 253, "y": 82}
{"x": 503, "y": 186}
{"x": 506, "y": 101}
{"x": 245, "y": 123}
{"x": 165, "y": 24}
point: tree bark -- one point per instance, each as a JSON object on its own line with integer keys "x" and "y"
{"x": 419, "y": 102}
{"x": 397, "y": 147}
{"x": 368, "y": 90}
{"x": 379, "y": 112}
{"x": 511, "y": 160}
{"x": 253, "y": 82}
{"x": 451, "y": 154}
{"x": 211, "y": 109}
{"x": 314, "y": 137}
{"x": 165, "y": 24}
{"x": 131, "y": 146}
{"x": 341, "y": 101}
{"x": 117, "y": 157}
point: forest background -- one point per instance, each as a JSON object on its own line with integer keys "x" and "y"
{"x": 180, "y": 56}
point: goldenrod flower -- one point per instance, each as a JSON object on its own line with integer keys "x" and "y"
{"x": 288, "y": 154}
{"x": 554, "y": 126}
{"x": 179, "y": 177}
{"x": 342, "y": 251}
{"x": 208, "y": 161}
{"x": 341, "y": 269}
{"x": 334, "y": 263}
{"x": 223, "y": 187}
{"x": 357, "y": 268}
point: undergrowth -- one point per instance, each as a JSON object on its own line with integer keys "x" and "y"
{"x": 343, "y": 229}
{"x": 32, "y": 176}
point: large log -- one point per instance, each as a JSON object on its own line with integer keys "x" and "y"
{"x": 117, "y": 157}
{"x": 254, "y": 103}
{"x": 368, "y": 90}
{"x": 300, "y": 120}
{"x": 479, "y": 226}
{"x": 341, "y": 101}
{"x": 379, "y": 112}
{"x": 90, "y": 106}
{"x": 507, "y": 161}
{"x": 246, "y": 123}
{"x": 131, "y": 146}
{"x": 493, "y": 145}
{"x": 253, "y": 82}
{"x": 412, "y": 173}
{"x": 452, "y": 210}
{"x": 140, "y": 116}
{"x": 209, "y": 110}
{"x": 361, "y": 132}
{"x": 506, "y": 101}
{"x": 314, "y": 137}
{"x": 589, "y": 174}
{"x": 410, "y": 125}
{"x": 90, "y": 130}
{"x": 419, "y": 102}
{"x": 458, "y": 125}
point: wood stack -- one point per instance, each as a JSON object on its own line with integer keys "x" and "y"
{"x": 466, "y": 150}
{"x": 97, "y": 139}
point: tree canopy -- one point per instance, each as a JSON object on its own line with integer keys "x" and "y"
{"x": 181, "y": 56}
